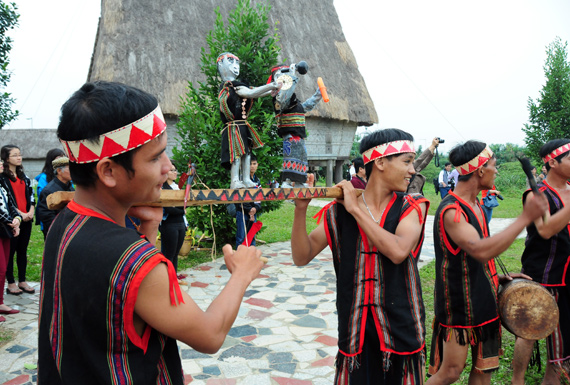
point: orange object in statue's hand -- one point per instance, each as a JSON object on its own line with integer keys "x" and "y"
{"x": 323, "y": 90}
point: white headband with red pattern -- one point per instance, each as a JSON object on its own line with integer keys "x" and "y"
{"x": 386, "y": 149}
{"x": 475, "y": 163}
{"x": 118, "y": 141}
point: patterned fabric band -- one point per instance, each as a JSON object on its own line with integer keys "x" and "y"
{"x": 118, "y": 141}
{"x": 559, "y": 151}
{"x": 387, "y": 149}
{"x": 290, "y": 120}
{"x": 475, "y": 163}
{"x": 220, "y": 58}
{"x": 235, "y": 141}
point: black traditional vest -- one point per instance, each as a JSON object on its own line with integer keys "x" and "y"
{"x": 465, "y": 289}
{"x": 547, "y": 260}
{"x": 371, "y": 285}
{"x": 91, "y": 273}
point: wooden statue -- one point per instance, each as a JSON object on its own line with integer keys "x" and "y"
{"x": 238, "y": 136}
{"x": 290, "y": 116}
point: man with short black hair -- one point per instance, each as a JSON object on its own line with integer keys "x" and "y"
{"x": 375, "y": 240}
{"x": 443, "y": 180}
{"x": 61, "y": 182}
{"x": 359, "y": 178}
{"x": 546, "y": 258}
{"x": 466, "y": 281}
{"x": 111, "y": 308}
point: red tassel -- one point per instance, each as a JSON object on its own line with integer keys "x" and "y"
{"x": 458, "y": 212}
{"x": 174, "y": 286}
{"x": 319, "y": 215}
{"x": 251, "y": 233}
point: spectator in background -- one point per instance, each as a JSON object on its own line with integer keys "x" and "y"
{"x": 536, "y": 177}
{"x": 359, "y": 179}
{"x": 173, "y": 225}
{"x": 47, "y": 173}
{"x": 543, "y": 174}
{"x": 61, "y": 182}
{"x": 46, "y": 176}
{"x": 20, "y": 186}
{"x": 453, "y": 178}
{"x": 443, "y": 180}
{"x": 9, "y": 227}
{"x": 352, "y": 169}
{"x": 246, "y": 213}
{"x": 418, "y": 180}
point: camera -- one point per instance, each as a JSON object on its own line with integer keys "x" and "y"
{"x": 441, "y": 140}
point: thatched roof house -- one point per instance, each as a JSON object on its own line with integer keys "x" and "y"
{"x": 156, "y": 46}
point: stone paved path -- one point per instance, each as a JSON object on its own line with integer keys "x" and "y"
{"x": 285, "y": 334}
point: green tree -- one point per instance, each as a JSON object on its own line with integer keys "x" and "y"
{"x": 247, "y": 35}
{"x": 8, "y": 20}
{"x": 549, "y": 115}
{"x": 507, "y": 152}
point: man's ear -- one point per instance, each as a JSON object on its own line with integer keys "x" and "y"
{"x": 380, "y": 163}
{"x": 481, "y": 171}
{"x": 107, "y": 172}
{"x": 552, "y": 163}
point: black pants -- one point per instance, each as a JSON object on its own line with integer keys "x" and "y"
{"x": 19, "y": 246}
{"x": 171, "y": 240}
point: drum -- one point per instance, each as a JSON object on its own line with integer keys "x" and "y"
{"x": 527, "y": 309}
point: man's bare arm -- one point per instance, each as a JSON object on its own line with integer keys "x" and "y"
{"x": 484, "y": 249}
{"x": 305, "y": 247}
{"x": 204, "y": 331}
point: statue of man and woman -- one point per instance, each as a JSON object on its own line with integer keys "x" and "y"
{"x": 239, "y": 137}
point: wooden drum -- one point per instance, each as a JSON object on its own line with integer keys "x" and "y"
{"x": 527, "y": 309}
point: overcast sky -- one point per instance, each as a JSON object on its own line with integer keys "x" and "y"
{"x": 454, "y": 69}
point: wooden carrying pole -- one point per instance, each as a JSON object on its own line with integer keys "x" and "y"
{"x": 172, "y": 198}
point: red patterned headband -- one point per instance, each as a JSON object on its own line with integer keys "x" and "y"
{"x": 559, "y": 151}
{"x": 220, "y": 58}
{"x": 386, "y": 149}
{"x": 118, "y": 141}
{"x": 475, "y": 163}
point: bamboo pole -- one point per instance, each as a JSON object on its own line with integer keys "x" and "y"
{"x": 175, "y": 198}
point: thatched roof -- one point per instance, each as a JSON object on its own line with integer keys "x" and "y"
{"x": 156, "y": 46}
